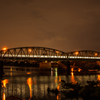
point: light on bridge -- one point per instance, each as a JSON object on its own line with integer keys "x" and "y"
{"x": 76, "y": 53}
{"x": 96, "y": 54}
{"x": 4, "y": 49}
{"x": 57, "y": 51}
{"x": 30, "y": 50}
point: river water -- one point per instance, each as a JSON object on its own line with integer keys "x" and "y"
{"x": 30, "y": 83}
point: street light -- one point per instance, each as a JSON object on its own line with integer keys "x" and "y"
{"x": 96, "y": 54}
{"x": 76, "y": 53}
{"x": 30, "y": 50}
{"x": 4, "y": 49}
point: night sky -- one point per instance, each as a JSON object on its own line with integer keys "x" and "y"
{"x": 66, "y": 25}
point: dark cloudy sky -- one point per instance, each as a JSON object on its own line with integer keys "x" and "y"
{"x": 66, "y": 25}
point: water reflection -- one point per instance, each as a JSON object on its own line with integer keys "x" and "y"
{"x": 98, "y": 77}
{"x": 72, "y": 76}
{"x": 4, "y": 82}
{"x": 58, "y": 84}
{"x": 29, "y": 82}
{"x": 4, "y": 96}
{"x": 30, "y": 85}
{"x": 59, "y": 96}
{"x": 58, "y": 88}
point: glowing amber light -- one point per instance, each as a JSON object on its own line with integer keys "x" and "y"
{"x": 58, "y": 87}
{"x": 4, "y": 49}
{"x": 72, "y": 74}
{"x": 72, "y": 78}
{"x": 59, "y": 97}
{"x": 30, "y": 50}
{"x": 98, "y": 77}
{"x": 4, "y": 96}
{"x": 79, "y": 69}
{"x": 28, "y": 72}
{"x": 72, "y": 69}
{"x": 57, "y": 51}
{"x": 5, "y": 82}
{"x": 96, "y": 54}
{"x": 29, "y": 82}
{"x": 76, "y": 53}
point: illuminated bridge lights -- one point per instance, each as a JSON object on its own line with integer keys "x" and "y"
{"x": 4, "y": 49}
{"x": 96, "y": 54}
{"x": 30, "y": 50}
{"x": 46, "y": 56}
{"x": 81, "y": 57}
{"x": 34, "y": 56}
{"x": 76, "y": 53}
{"x": 42, "y": 52}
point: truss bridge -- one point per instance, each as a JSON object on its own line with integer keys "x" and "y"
{"x": 43, "y": 53}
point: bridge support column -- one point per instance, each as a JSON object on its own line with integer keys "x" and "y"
{"x": 44, "y": 65}
{"x": 1, "y": 68}
{"x": 68, "y": 68}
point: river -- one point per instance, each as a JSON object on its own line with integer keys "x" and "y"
{"x": 29, "y": 83}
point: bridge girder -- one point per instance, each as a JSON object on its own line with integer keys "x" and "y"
{"x": 86, "y": 53}
{"x": 46, "y": 53}
{"x": 30, "y": 52}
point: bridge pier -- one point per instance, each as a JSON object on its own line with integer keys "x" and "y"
{"x": 44, "y": 65}
{"x": 1, "y": 68}
{"x": 68, "y": 68}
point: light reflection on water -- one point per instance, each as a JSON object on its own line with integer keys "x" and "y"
{"x": 31, "y": 85}
{"x": 4, "y": 82}
{"x": 29, "y": 82}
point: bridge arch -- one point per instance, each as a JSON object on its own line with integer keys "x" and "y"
{"x": 85, "y": 53}
{"x": 47, "y": 53}
{"x": 31, "y": 52}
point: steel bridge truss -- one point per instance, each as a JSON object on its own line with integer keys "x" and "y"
{"x": 32, "y": 53}
{"x": 84, "y": 54}
{"x": 47, "y": 53}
